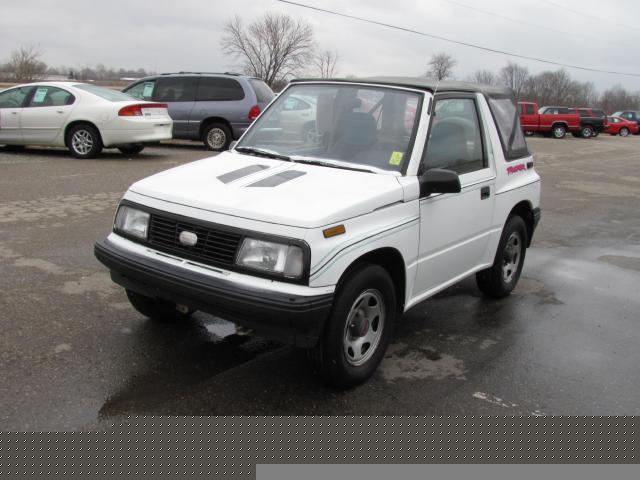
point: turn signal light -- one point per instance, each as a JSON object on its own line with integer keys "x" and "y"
{"x": 334, "y": 231}
{"x": 254, "y": 112}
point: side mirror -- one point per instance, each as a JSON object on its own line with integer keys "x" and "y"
{"x": 438, "y": 180}
{"x": 233, "y": 144}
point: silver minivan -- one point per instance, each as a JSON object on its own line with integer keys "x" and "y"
{"x": 213, "y": 107}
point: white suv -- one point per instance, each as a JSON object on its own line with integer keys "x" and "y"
{"x": 324, "y": 240}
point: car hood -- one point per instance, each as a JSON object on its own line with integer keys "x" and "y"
{"x": 275, "y": 191}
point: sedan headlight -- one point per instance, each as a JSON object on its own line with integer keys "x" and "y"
{"x": 132, "y": 221}
{"x": 271, "y": 257}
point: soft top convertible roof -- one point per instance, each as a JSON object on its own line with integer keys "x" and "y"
{"x": 421, "y": 84}
{"x": 501, "y": 100}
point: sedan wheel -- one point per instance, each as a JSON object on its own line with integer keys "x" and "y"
{"x": 84, "y": 141}
{"x": 624, "y": 132}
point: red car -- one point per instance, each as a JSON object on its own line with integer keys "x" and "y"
{"x": 620, "y": 126}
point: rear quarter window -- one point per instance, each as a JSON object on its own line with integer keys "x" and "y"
{"x": 219, "y": 89}
{"x": 507, "y": 121}
{"x": 263, "y": 92}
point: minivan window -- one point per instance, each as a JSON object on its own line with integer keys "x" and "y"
{"x": 50, "y": 97}
{"x": 212, "y": 89}
{"x": 176, "y": 89}
{"x": 142, "y": 90}
{"x": 14, "y": 98}
{"x": 263, "y": 93}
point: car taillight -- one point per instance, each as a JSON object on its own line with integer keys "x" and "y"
{"x": 254, "y": 112}
{"x": 136, "y": 110}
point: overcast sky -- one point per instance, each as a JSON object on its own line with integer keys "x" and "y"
{"x": 170, "y": 35}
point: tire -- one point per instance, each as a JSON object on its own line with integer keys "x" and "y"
{"x": 341, "y": 355}
{"x": 216, "y": 137}
{"x": 595, "y": 134}
{"x": 501, "y": 278}
{"x": 558, "y": 131}
{"x": 586, "y": 132}
{"x": 133, "y": 149}
{"x": 84, "y": 141}
{"x": 529, "y": 133}
{"x": 156, "y": 308}
{"x": 624, "y": 132}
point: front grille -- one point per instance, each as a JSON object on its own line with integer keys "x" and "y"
{"x": 214, "y": 247}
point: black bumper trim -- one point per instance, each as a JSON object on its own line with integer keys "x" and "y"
{"x": 294, "y": 319}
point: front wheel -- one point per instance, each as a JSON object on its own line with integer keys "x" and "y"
{"x": 133, "y": 149}
{"x": 357, "y": 333}
{"x": 84, "y": 141}
{"x": 157, "y": 308}
{"x": 216, "y": 137}
{"x": 501, "y": 278}
{"x": 624, "y": 132}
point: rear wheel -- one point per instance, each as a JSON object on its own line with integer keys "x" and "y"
{"x": 357, "y": 333}
{"x": 157, "y": 308}
{"x": 133, "y": 149}
{"x": 586, "y": 132}
{"x": 84, "y": 141}
{"x": 529, "y": 133}
{"x": 558, "y": 131}
{"x": 216, "y": 137}
{"x": 501, "y": 278}
{"x": 624, "y": 132}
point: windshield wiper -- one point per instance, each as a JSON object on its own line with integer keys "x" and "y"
{"x": 263, "y": 153}
{"x": 323, "y": 163}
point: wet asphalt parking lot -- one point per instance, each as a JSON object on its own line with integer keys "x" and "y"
{"x": 75, "y": 355}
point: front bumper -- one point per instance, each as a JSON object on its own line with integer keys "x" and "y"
{"x": 294, "y": 319}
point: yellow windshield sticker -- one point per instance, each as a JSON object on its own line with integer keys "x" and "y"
{"x": 396, "y": 158}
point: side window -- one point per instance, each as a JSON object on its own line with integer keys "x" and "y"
{"x": 293, "y": 103}
{"x": 175, "y": 89}
{"x": 142, "y": 90}
{"x": 455, "y": 140}
{"x": 50, "y": 97}
{"x": 529, "y": 110}
{"x": 14, "y": 98}
{"x": 213, "y": 89}
{"x": 583, "y": 113}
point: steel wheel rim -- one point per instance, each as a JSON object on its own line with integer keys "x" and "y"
{"x": 511, "y": 259}
{"x": 216, "y": 138}
{"x": 364, "y": 327}
{"x": 82, "y": 142}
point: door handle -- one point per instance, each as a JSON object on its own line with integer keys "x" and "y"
{"x": 485, "y": 192}
{"x": 60, "y": 111}
{"x": 14, "y": 113}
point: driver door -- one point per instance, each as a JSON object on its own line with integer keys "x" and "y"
{"x": 11, "y": 103}
{"x": 455, "y": 227}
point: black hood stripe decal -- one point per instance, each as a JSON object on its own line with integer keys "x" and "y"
{"x": 241, "y": 172}
{"x": 277, "y": 179}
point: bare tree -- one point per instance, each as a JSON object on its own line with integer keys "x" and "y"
{"x": 273, "y": 47}
{"x": 484, "y": 77}
{"x": 325, "y": 62}
{"x": 25, "y": 63}
{"x": 514, "y": 77}
{"x": 441, "y": 66}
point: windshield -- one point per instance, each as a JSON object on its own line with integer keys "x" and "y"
{"x": 361, "y": 125}
{"x": 106, "y": 93}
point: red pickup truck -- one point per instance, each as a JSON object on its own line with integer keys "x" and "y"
{"x": 553, "y": 121}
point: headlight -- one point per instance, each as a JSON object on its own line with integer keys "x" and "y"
{"x": 132, "y": 221}
{"x": 271, "y": 257}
